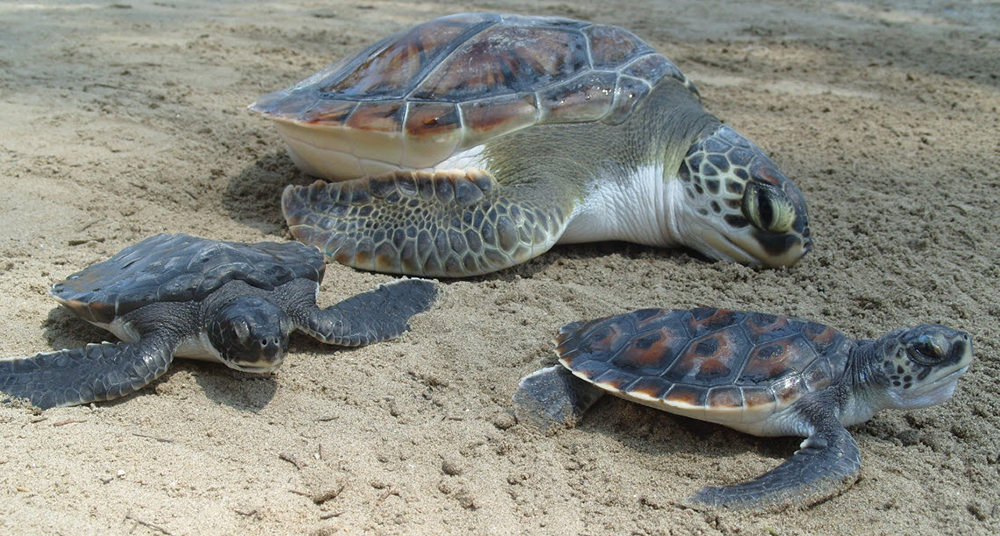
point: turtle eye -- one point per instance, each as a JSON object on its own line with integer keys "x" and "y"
{"x": 768, "y": 208}
{"x": 242, "y": 330}
{"x": 924, "y": 351}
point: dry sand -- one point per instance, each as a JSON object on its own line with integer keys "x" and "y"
{"x": 119, "y": 121}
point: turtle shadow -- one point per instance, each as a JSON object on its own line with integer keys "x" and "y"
{"x": 575, "y": 253}
{"x": 252, "y": 392}
{"x": 654, "y": 434}
{"x": 569, "y": 254}
{"x": 65, "y": 330}
{"x": 239, "y": 390}
{"x": 253, "y": 197}
{"x": 300, "y": 343}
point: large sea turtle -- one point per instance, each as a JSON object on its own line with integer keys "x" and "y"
{"x": 178, "y": 295}
{"x": 475, "y": 142}
{"x": 762, "y": 374}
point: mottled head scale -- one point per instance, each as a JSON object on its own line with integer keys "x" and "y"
{"x": 921, "y": 366}
{"x": 740, "y": 206}
{"x": 251, "y": 334}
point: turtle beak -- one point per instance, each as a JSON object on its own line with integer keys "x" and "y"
{"x": 786, "y": 250}
{"x": 261, "y": 367}
{"x": 718, "y": 246}
{"x": 269, "y": 356}
{"x": 755, "y": 250}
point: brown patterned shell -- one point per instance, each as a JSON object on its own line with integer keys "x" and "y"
{"x": 712, "y": 364}
{"x": 175, "y": 268}
{"x": 422, "y": 94}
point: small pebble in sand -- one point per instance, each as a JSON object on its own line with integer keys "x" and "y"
{"x": 451, "y": 467}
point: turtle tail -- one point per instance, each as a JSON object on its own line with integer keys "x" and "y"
{"x": 453, "y": 223}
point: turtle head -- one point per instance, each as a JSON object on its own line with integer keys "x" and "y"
{"x": 738, "y": 206}
{"x": 920, "y": 367}
{"x": 250, "y": 334}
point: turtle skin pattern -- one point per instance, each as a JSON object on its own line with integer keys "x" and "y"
{"x": 715, "y": 364}
{"x": 447, "y": 223}
{"x": 99, "y": 372}
{"x": 177, "y": 268}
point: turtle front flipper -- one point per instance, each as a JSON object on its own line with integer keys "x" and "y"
{"x": 826, "y": 463}
{"x": 454, "y": 223}
{"x": 82, "y": 375}
{"x": 372, "y": 316}
{"x": 553, "y": 397}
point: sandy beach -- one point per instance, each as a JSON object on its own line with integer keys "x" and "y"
{"x": 122, "y": 120}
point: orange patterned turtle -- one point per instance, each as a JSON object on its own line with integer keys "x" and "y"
{"x": 762, "y": 374}
{"x": 475, "y": 142}
{"x": 184, "y": 296}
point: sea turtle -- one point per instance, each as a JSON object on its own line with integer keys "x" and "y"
{"x": 762, "y": 374}
{"x": 475, "y": 142}
{"x": 191, "y": 297}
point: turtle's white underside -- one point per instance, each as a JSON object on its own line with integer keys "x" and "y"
{"x": 470, "y": 158}
{"x": 635, "y": 206}
{"x": 192, "y": 347}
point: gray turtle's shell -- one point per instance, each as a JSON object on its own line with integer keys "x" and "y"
{"x": 176, "y": 268}
{"x": 712, "y": 364}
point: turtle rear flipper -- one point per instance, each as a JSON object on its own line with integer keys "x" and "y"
{"x": 827, "y": 462}
{"x": 373, "y": 316}
{"x": 453, "y": 223}
{"x": 83, "y": 375}
{"x": 553, "y": 397}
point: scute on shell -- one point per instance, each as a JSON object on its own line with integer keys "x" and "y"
{"x": 713, "y": 364}
{"x": 181, "y": 268}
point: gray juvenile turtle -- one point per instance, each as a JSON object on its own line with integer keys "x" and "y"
{"x": 475, "y": 142}
{"x": 178, "y": 295}
{"x": 758, "y": 373}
